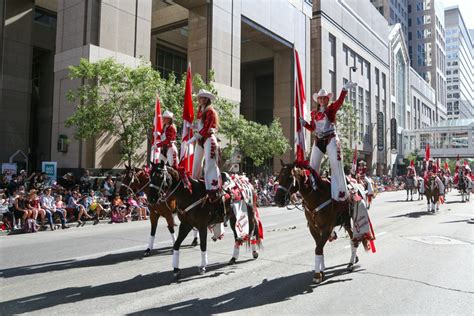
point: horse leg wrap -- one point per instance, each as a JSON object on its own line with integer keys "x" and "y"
{"x": 317, "y": 263}
{"x": 353, "y": 252}
{"x": 173, "y": 237}
{"x": 203, "y": 259}
{"x": 175, "y": 259}
{"x": 195, "y": 233}
{"x": 236, "y": 251}
{"x": 151, "y": 241}
{"x": 323, "y": 266}
{"x": 254, "y": 247}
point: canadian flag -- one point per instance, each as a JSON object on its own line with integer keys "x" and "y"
{"x": 187, "y": 150}
{"x": 300, "y": 104}
{"x": 427, "y": 155}
{"x": 157, "y": 130}
{"x": 458, "y": 164}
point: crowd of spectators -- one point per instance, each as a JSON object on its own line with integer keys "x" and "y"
{"x": 34, "y": 202}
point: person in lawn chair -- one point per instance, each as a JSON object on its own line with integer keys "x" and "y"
{"x": 323, "y": 124}
{"x": 169, "y": 151}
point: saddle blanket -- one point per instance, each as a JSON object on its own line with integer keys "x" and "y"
{"x": 241, "y": 219}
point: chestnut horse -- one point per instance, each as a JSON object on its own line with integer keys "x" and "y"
{"x": 432, "y": 193}
{"x": 195, "y": 211}
{"x": 137, "y": 180}
{"x": 321, "y": 212}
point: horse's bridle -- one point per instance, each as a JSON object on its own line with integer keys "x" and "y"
{"x": 138, "y": 180}
{"x": 163, "y": 196}
{"x": 287, "y": 190}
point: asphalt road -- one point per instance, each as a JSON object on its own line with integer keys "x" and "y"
{"x": 424, "y": 264}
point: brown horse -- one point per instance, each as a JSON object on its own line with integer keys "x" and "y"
{"x": 321, "y": 212}
{"x": 432, "y": 193}
{"x": 136, "y": 180}
{"x": 195, "y": 211}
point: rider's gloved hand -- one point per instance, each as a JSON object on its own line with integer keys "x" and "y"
{"x": 303, "y": 121}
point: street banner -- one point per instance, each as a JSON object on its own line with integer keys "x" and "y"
{"x": 50, "y": 168}
{"x": 393, "y": 134}
{"x": 187, "y": 150}
{"x": 300, "y": 104}
{"x": 380, "y": 132}
{"x": 157, "y": 130}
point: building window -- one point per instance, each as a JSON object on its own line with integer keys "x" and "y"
{"x": 332, "y": 44}
{"x": 45, "y": 17}
{"x": 368, "y": 120}
{"x": 170, "y": 61}
{"x": 332, "y": 77}
{"x": 360, "y": 114}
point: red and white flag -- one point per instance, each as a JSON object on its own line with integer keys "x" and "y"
{"x": 458, "y": 164}
{"x": 300, "y": 104}
{"x": 446, "y": 166}
{"x": 354, "y": 163}
{"x": 157, "y": 130}
{"x": 427, "y": 155}
{"x": 187, "y": 150}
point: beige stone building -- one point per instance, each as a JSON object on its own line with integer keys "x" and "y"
{"x": 248, "y": 43}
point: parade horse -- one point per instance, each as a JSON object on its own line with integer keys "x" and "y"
{"x": 432, "y": 193}
{"x": 194, "y": 210}
{"x": 420, "y": 187}
{"x": 137, "y": 180}
{"x": 321, "y": 212}
{"x": 410, "y": 186}
{"x": 463, "y": 187}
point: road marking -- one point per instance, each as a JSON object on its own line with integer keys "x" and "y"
{"x": 380, "y": 234}
{"x": 437, "y": 240}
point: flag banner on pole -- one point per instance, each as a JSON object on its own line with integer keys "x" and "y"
{"x": 427, "y": 155}
{"x": 187, "y": 150}
{"x": 446, "y": 166}
{"x": 354, "y": 163}
{"x": 458, "y": 164}
{"x": 157, "y": 130}
{"x": 300, "y": 104}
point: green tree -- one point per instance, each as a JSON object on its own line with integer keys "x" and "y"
{"x": 118, "y": 99}
{"x": 347, "y": 130}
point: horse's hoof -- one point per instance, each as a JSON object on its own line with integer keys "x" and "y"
{"x": 255, "y": 254}
{"x": 318, "y": 277}
{"x": 350, "y": 267}
{"x": 195, "y": 242}
{"x": 176, "y": 273}
{"x": 147, "y": 252}
{"x": 202, "y": 270}
{"x": 232, "y": 261}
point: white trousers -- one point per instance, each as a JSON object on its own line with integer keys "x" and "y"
{"x": 210, "y": 152}
{"x": 338, "y": 179}
{"x": 171, "y": 155}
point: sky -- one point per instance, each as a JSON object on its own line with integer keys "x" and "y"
{"x": 467, "y": 10}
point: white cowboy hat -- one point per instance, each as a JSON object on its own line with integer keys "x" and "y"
{"x": 168, "y": 114}
{"x": 322, "y": 93}
{"x": 206, "y": 94}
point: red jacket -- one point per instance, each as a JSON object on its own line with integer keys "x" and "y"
{"x": 170, "y": 135}
{"x": 209, "y": 118}
{"x": 331, "y": 111}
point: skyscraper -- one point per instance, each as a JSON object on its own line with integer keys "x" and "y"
{"x": 459, "y": 66}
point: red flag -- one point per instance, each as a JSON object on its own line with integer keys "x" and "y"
{"x": 157, "y": 130}
{"x": 438, "y": 169}
{"x": 466, "y": 163}
{"x": 427, "y": 152}
{"x": 300, "y": 104}
{"x": 412, "y": 163}
{"x": 458, "y": 164}
{"x": 187, "y": 150}
{"x": 354, "y": 163}
{"x": 446, "y": 166}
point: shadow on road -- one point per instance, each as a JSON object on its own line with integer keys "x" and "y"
{"x": 74, "y": 264}
{"x": 78, "y": 294}
{"x": 267, "y": 292}
{"x": 413, "y": 215}
{"x": 457, "y": 221}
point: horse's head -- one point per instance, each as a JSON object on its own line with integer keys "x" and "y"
{"x": 161, "y": 179}
{"x": 286, "y": 184}
{"x": 133, "y": 181}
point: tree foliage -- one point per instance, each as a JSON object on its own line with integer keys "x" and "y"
{"x": 347, "y": 131}
{"x": 120, "y": 100}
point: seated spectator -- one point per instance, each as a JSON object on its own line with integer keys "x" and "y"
{"x": 134, "y": 206}
{"x": 75, "y": 203}
{"x": 21, "y": 211}
{"x": 59, "y": 204}
{"x": 85, "y": 182}
{"x": 34, "y": 204}
{"x": 109, "y": 187}
{"x": 118, "y": 210}
{"x": 143, "y": 203}
{"x": 91, "y": 203}
{"x": 47, "y": 203}
{"x": 5, "y": 214}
